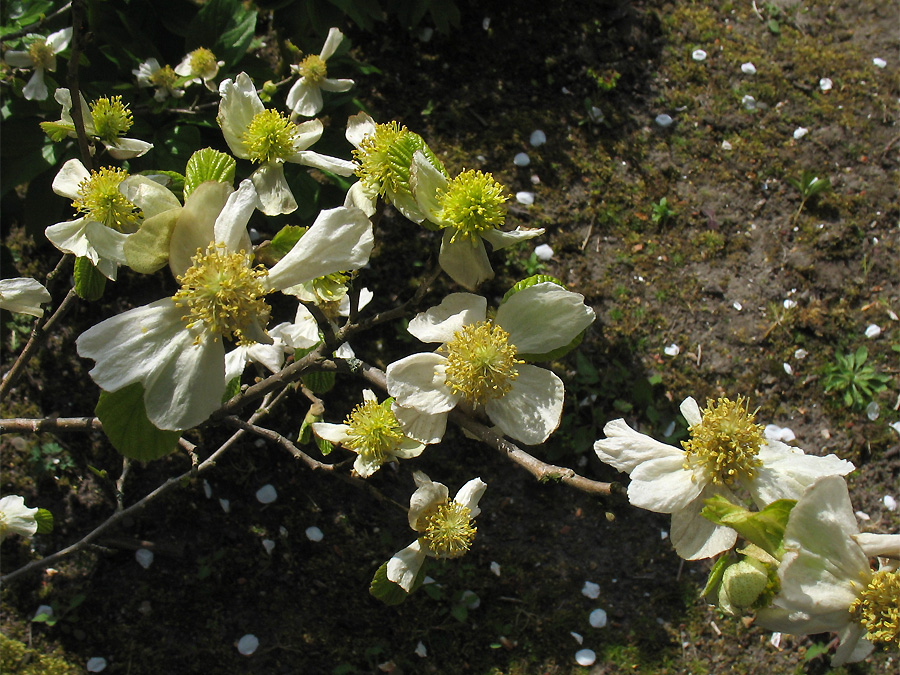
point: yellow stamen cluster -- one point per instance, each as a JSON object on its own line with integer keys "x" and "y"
{"x": 481, "y": 363}
{"x": 164, "y": 77}
{"x": 725, "y": 443}
{"x": 100, "y": 199}
{"x": 313, "y": 69}
{"x": 449, "y": 530}
{"x": 222, "y": 291}
{"x": 111, "y": 117}
{"x": 384, "y": 158}
{"x": 472, "y": 203}
{"x": 878, "y": 608}
{"x": 270, "y": 136}
{"x": 41, "y": 54}
{"x": 374, "y": 431}
{"x": 203, "y": 62}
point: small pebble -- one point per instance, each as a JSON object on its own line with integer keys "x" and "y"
{"x": 495, "y": 568}
{"x": 825, "y": 84}
{"x": 266, "y": 494}
{"x": 873, "y": 331}
{"x": 664, "y": 120}
{"x": 800, "y": 132}
{"x": 314, "y": 533}
{"x": 543, "y": 252}
{"x": 585, "y": 657}
{"x": 672, "y": 350}
{"x": 748, "y": 68}
{"x": 698, "y": 55}
{"x": 879, "y": 63}
{"x": 889, "y": 503}
{"x": 95, "y": 664}
{"x": 421, "y": 650}
{"x": 522, "y": 159}
{"x": 591, "y": 590}
{"x": 538, "y": 137}
{"x": 144, "y": 557}
{"x": 248, "y": 644}
{"x": 873, "y": 410}
{"x": 526, "y": 198}
{"x": 598, "y": 618}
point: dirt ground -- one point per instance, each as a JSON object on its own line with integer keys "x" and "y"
{"x": 737, "y": 290}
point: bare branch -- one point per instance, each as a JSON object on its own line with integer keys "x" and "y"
{"x": 50, "y": 424}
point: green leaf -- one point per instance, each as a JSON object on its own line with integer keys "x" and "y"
{"x": 764, "y": 528}
{"x": 460, "y": 613}
{"x": 320, "y": 382}
{"x": 147, "y": 250}
{"x": 44, "y": 521}
{"x": 57, "y": 131}
{"x": 89, "y": 282}
{"x": 232, "y": 389}
{"x": 530, "y": 281}
{"x": 125, "y": 423}
{"x": 714, "y": 580}
{"x": 225, "y": 27}
{"x": 287, "y": 237}
{"x": 208, "y": 164}
{"x": 386, "y": 590}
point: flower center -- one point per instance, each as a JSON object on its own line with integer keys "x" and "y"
{"x": 101, "y": 200}
{"x": 269, "y": 136}
{"x": 472, "y": 203}
{"x": 222, "y": 291}
{"x": 41, "y": 54}
{"x": 313, "y": 69}
{"x": 449, "y": 530}
{"x": 385, "y": 156}
{"x": 725, "y": 443}
{"x": 374, "y": 430}
{"x": 481, "y": 363}
{"x": 164, "y": 77}
{"x": 111, "y": 117}
{"x": 878, "y": 608}
{"x": 203, "y": 62}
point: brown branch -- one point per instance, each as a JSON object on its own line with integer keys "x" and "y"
{"x": 73, "y": 83}
{"x": 50, "y": 424}
{"x": 274, "y": 436}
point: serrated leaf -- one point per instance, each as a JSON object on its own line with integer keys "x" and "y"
{"x": 530, "y": 281}
{"x": 89, "y": 282}
{"x": 147, "y": 250}
{"x": 386, "y": 590}
{"x": 125, "y": 423}
{"x": 320, "y": 382}
{"x": 44, "y": 520}
{"x": 764, "y": 528}
{"x": 287, "y": 237}
{"x": 208, "y": 164}
{"x": 57, "y": 131}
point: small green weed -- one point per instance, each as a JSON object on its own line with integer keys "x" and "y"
{"x": 852, "y": 379}
{"x": 51, "y": 458}
{"x": 809, "y": 185}
{"x": 661, "y": 212}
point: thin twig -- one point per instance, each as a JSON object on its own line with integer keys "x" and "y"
{"x": 50, "y": 424}
{"x": 285, "y": 443}
{"x": 37, "y": 25}
{"x": 74, "y": 86}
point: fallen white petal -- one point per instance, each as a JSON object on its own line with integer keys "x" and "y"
{"x": 698, "y": 55}
{"x": 522, "y": 159}
{"x": 738, "y": 306}
{"x": 862, "y": 515}
{"x": 825, "y": 84}
{"x": 543, "y": 252}
{"x": 787, "y": 368}
{"x": 578, "y": 637}
{"x": 662, "y": 533}
{"x": 266, "y": 494}
{"x": 672, "y": 350}
{"x": 879, "y": 63}
{"x": 889, "y": 503}
{"x": 96, "y": 664}
{"x": 664, "y": 120}
{"x": 269, "y": 545}
{"x": 144, "y": 557}
{"x": 486, "y": 22}
{"x": 226, "y": 505}
{"x": 591, "y": 590}
{"x": 748, "y": 102}
{"x": 526, "y": 198}
{"x": 495, "y": 567}
{"x": 748, "y": 68}
{"x": 46, "y": 610}
{"x": 598, "y": 618}
{"x": 314, "y": 533}
{"x": 470, "y": 599}
{"x": 585, "y": 657}
{"x": 726, "y": 145}
{"x": 207, "y": 489}
{"x": 421, "y": 651}
{"x": 248, "y": 644}
{"x": 800, "y": 132}
{"x": 789, "y": 303}
{"x": 775, "y": 640}
{"x": 873, "y": 410}
{"x": 538, "y": 137}
{"x": 801, "y": 354}
{"x": 895, "y": 426}
{"x": 873, "y": 331}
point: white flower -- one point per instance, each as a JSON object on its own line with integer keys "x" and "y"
{"x": 305, "y": 96}
{"x": 269, "y": 138}
{"x": 174, "y": 347}
{"x": 726, "y": 450}
{"x": 114, "y": 205}
{"x": 40, "y": 55}
{"x": 23, "y": 295}
{"x": 446, "y": 526}
{"x": 16, "y": 518}
{"x": 106, "y": 119}
{"x": 200, "y": 66}
{"x": 163, "y": 78}
{"x": 480, "y": 362}
{"x": 827, "y": 583}
{"x": 470, "y": 209}
{"x": 371, "y": 431}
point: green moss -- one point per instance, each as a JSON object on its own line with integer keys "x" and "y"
{"x": 18, "y": 659}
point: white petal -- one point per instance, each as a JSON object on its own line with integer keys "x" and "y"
{"x": 464, "y": 260}
{"x": 440, "y": 323}
{"x": 532, "y": 409}
{"x": 691, "y": 411}
{"x": 69, "y": 179}
{"x": 787, "y": 472}
{"x": 70, "y": 237}
{"x": 358, "y": 197}
{"x": 341, "y": 167}
{"x": 424, "y": 427}
{"x": 128, "y": 148}
{"x": 36, "y": 89}
{"x": 499, "y": 239}
{"x": 307, "y": 133}
{"x": 235, "y": 362}
{"x": 854, "y": 646}
{"x": 332, "y": 42}
{"x": 427, "y": 494}
{"x": 239, "y": 105}
{"x": 543, "y": 317}
{"x": 59, "y": 40}
{"x": 275, "y": 196}
{"x": 695, "y": 537}
{"x": 403, "y": 567}
{"x": 336, "y": 85}
{"x": 424, "y": 183}
{"x": 301, "y": 334}
{"x": 662, "y": 485}
{"x": 885, "y": 545}
{"x": 625, "y": 449}
{"x": 418, "y": 381}
{"x": 333, "y": 433}
{"x": 339, "y": 240}
{"x": 150, "y": 196}
{"x": 17, "y": 517}
{"x": 108, "y": 242}
{"x": 470, "y": 494}
{"x": 304, "y": 98}
{"x": 195, "y": 228}
{"x": 359, "y": 126}
{"x": 23, "y": 295}
{"x": 18, "y": 59}
{"x": 231, "y": 224}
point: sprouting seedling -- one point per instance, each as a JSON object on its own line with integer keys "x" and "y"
{"x": 809, "y": 186}
{"x": 853, "y": 379}
{"x": 662, "y": 212}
